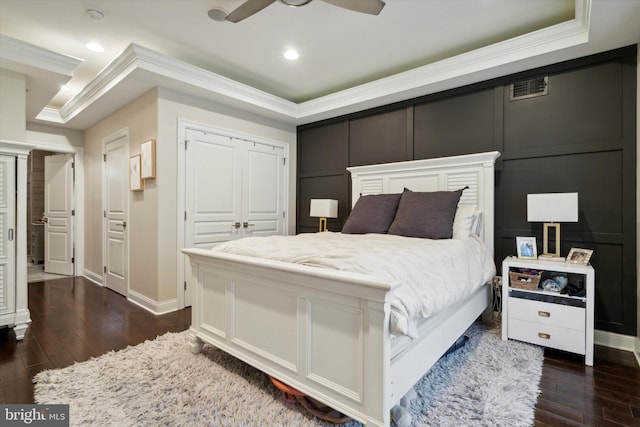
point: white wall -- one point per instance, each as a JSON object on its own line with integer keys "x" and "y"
{"x": 54, "y": 138}
{"x": 140, "y": 118}
{"x": 13, "y": 106}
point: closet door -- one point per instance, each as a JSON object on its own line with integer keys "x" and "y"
{"x": 7, "y": 234}
{"x": 263, "y": 190}
{"x": 213, "y": 193}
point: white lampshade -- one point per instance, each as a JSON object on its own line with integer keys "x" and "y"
{"x": 552, "y": 207}
{"x": 324, "y": 208}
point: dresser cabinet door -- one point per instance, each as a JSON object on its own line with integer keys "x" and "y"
{"x": 7, "y": 234}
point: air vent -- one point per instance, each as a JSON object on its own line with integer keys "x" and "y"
{"x": 530, "y": 88}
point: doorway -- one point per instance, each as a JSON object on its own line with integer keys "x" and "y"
{"x": 50, "y": 194}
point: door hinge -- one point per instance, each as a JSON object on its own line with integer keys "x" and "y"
{"x": 185, "y": 215}
{"x": 104, "y": 157}
{"x": 284, "y": 161}
{"x": 186, "y": 142}
{"x": 73, "y": 165}
{"x": 73, "y": 260}
{"x": 105, "y": 268}
{"x": 104, "y": 214}
{"x": 283, "y": 214}
{"x": 185, "y": 285}
{"x": 73, "y": 212}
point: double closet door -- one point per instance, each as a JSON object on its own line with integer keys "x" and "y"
{"x": 234, "y": 188}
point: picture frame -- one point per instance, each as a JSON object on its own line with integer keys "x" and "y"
{"x": 526, "y": 247}
{"x": 579, "y": 256}
{"x": 148, "y": 159}
{"x": 135, "y": 180}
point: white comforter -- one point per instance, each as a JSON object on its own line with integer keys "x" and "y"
{"x": 434, "y": 273}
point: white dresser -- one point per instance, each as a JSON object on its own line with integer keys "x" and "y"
{"x": 548, "y": 318}
{"x": 14, "y": 310}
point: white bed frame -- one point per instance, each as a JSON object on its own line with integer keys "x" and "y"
{"x": 325, "y": 332}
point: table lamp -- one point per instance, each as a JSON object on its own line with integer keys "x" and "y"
{"x": 324, "y": 208}
{"x": 552, "y": 208}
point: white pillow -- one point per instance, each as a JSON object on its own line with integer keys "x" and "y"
{"x": 466, "y": 222}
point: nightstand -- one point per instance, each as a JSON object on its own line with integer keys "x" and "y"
{"x": 548, "y": 318}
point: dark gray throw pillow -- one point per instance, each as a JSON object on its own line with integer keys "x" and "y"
{"x": 428, "y": 215}
{"x": 372, "y": 214}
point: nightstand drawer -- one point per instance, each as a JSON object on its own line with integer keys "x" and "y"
{"x": 547, "y": 314}
{"x": 547, "y": 335}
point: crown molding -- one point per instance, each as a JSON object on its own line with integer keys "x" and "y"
{"x": 210, "y": 81}
{"x": 441, "y": 75}
{"x": 136, "y": 57}
{"x": 49, "y": 114}
{"x": 109, "y": 77}
{"x": 421, "y": 79}
{"x": 37, "y": 57}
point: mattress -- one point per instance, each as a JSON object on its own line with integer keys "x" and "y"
{"x": 429, "y": 275}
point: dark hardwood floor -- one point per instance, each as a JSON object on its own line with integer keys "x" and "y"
{"x": 74, "y": 320}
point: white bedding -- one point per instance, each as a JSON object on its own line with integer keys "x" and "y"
{"x": 433, "y": 274}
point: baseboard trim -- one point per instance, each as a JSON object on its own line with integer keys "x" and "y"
{"x": 152, "y": 306}
{"x": 613, "y": 340}
{"x": 93, "y": 277}
{"x": 617, "y": 341}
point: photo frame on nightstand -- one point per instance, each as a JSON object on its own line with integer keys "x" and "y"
{"x": 526, "y": 247}
{"x": 579, "y": 256}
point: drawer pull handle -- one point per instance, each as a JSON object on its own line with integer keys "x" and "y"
{"x": 544, "y": 336}
{"x": 544, "y": 314}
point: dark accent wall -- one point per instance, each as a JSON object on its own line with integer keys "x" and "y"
{"x": 581, "y": 137}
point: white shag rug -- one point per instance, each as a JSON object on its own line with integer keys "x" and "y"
{"x": 488, "y": 382}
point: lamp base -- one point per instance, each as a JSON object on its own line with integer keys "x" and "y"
{"x": 551, "y": 257}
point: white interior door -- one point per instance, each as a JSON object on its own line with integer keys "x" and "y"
{"x": 7, "y": 234}
{"x": 115, "y": 212}
{"x": 58, "y": 211}
{"x": 213, "y": 192}
{"x": 263, "y": 190}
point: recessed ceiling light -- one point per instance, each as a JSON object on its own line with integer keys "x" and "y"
{"x": 95, "y": 15}
{"x": 291, "y": 54}
{"x": 64, "y": 87}
{"x": 96, "y": 47}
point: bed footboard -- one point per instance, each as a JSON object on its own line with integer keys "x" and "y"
{"x": 321, "y": 331}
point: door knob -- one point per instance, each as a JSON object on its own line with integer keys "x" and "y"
{"x": 246, "y": 224}
{"x": 236, "y": 225}
{"x": 124, "y": 224}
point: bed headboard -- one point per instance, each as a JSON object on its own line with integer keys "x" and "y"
{"x": 444, "y": 173}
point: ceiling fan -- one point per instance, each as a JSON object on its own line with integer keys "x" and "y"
{"x": 249, "y": 7}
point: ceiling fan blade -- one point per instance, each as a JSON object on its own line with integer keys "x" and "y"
{"x": 371, "y": 7}
{"x": 247, "y": 9}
